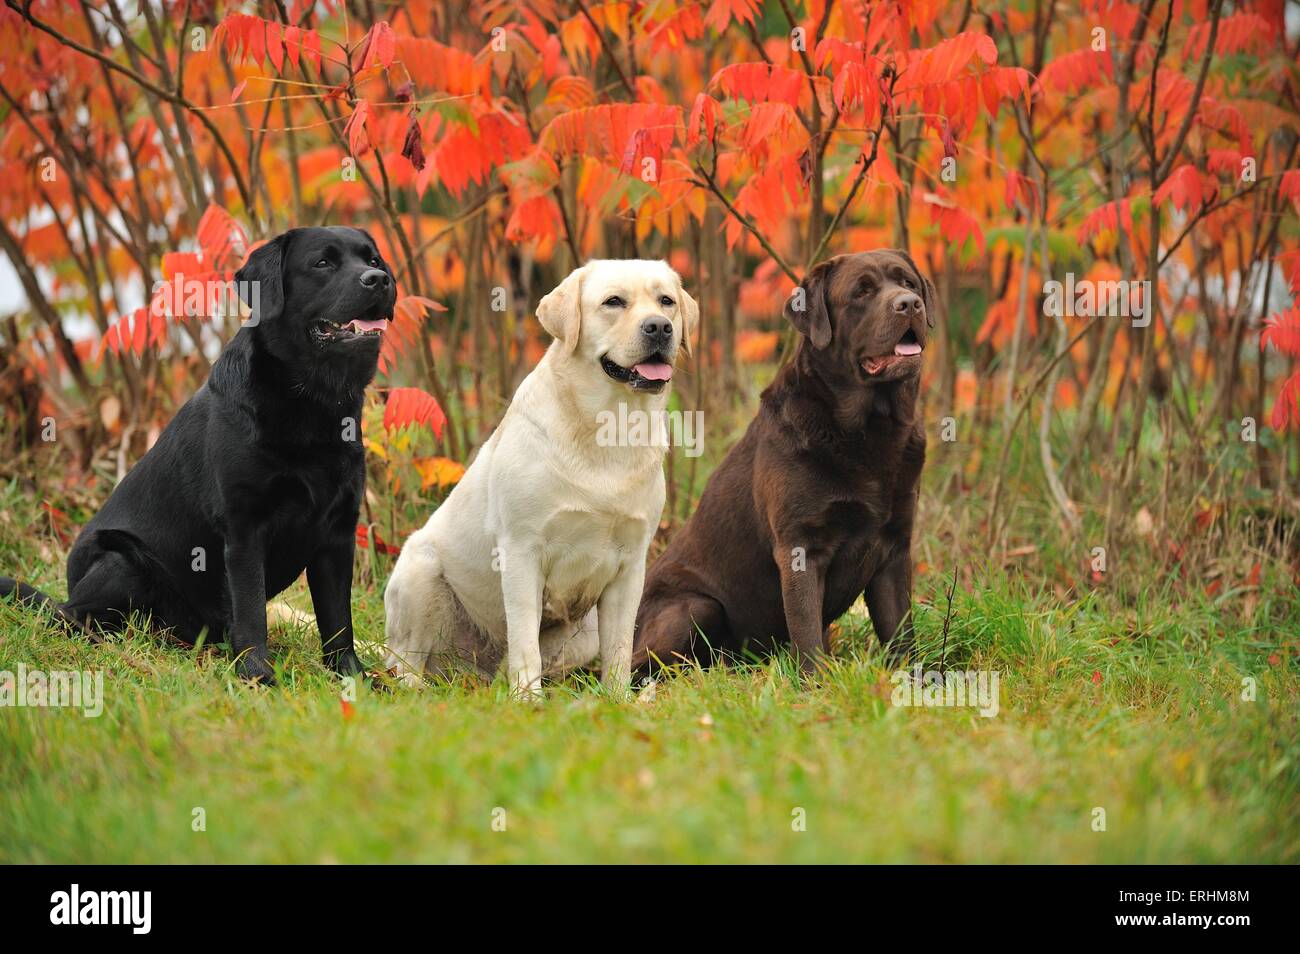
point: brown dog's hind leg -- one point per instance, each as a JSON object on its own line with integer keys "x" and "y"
{"x": 677, "y": 630}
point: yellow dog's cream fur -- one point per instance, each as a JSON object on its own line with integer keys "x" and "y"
{"x": 538, "y": 555}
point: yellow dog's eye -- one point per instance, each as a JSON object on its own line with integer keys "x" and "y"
{"x": 666, "y": 301}
{"x": 613, "y": 301}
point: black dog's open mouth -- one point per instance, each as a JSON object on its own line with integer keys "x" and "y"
{"x": 326, "y": 331}
{"x": 908, "y": 346}
{"x": 649, "y": 374}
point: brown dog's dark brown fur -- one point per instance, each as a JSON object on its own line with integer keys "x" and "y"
{"x": 814, "y": 506}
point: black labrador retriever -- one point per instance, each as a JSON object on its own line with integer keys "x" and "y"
{"x": 259, "y": 475}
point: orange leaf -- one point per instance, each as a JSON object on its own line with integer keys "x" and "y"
{"x": 438, "y": 471}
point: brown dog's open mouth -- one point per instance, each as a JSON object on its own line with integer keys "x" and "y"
{"x": 356, "y": 328}
{"x": 650, "y": 374}
{"x": 908, "y": 346}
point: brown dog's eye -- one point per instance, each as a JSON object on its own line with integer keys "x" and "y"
{"x": 908, "y": 283}
{"x": 864, "y": 290}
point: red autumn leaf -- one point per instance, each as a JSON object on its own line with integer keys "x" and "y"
{"x": 1019, "y": 188}
{"x": 363, "y": 541}
{"x": 1286, "y": 406}
{"x": 408, "y": 406}
{"x": 955, "y": 223}
{"x": 378, "y": 47}
{"x": 761, "y": 83}
{"x": 404, "y": 330}
{"x": 1289, "y": 187}
{"x": 436, "y": 66}
{"x": 704, "y": 113}
{"x": 722, "y": 12}
{"x": 1238, "y": 33}
{"x": 1109, "y": 217}
{"x": 1187, "y": 189}
{"x": 355, "y": 130}
{"x": 1075, "y": 71}
{"x": 221, "y": 238}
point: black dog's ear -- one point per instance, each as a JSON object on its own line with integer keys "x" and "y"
{"x": 261, "y": 279}
{"x": 806, "y": 307}
{"x": 928, "y": 292}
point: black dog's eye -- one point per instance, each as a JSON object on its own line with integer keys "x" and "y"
{"x": 613, "y": 301}
{"x": 374, "y": 260}
{"x": 666, "y": 301}
{"x": 323, "y": 263}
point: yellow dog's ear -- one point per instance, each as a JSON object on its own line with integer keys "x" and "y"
{"x": 690, "y": 320}
{"x": 560, "y": 311}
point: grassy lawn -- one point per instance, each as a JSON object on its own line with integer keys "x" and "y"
{"x": 1131, "y": 704}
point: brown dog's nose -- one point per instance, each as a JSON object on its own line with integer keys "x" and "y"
{"x": 908, "y": 304}
{"x": 375, "y": 276}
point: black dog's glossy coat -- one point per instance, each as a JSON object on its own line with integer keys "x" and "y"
{"x": 259, "y": 476}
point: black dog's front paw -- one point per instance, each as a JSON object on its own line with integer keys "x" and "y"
{"x": 345, "y": 663}
{"x": 253, "y": 666}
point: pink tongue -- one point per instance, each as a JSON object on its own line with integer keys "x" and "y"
{"x": 907, "y": 348}
{"x": 360, "y": 324}
{"x": 655, "y": 372}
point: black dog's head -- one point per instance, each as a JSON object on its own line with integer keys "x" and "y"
{"x": 866, "y": 315}
{"x": 320, "y": 296}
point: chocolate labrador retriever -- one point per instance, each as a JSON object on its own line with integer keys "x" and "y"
{"x": 814, "y": 506}
{"x": 259, "y": 475}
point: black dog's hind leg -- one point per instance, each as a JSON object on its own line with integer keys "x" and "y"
{"x": 329, "y": 577}
{"x": 110, "y": 574}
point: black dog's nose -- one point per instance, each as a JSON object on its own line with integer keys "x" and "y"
{"x": 375, "y": 276}
{"x": 909, "y": 302}
{"x": 658, "y": 329}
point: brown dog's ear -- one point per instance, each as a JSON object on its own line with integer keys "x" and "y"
{"x": 806, "y": 307}
{"x": 560, "y": 311}
{"x": 690, "y": 319}
{"x": 928, "y": 292}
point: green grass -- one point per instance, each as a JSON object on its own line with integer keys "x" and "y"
{"x": 1132, "y": 706}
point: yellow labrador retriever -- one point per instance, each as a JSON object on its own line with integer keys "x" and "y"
{"x": 538, "y": 555}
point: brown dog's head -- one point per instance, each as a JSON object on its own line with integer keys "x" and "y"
{"x": 868, "y": 314}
